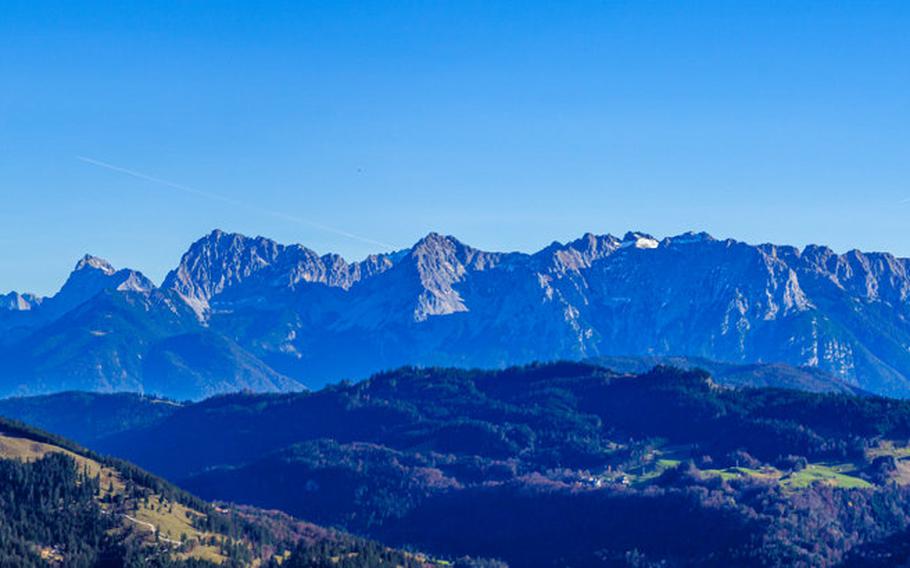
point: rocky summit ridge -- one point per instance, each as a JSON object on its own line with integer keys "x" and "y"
{"x": 272, "y": 316}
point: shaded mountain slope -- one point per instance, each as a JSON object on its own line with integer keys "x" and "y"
{"x": 112, "y": 331}
{"x": 203, "y": 364}
{"x": 86, "y": 417}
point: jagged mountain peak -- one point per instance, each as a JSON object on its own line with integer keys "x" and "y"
{"x": 223, "y": 245}
{"x": 216, "y": 262}
{"x": 90, "y": 277}
{"x": 439, "y": 257}
{"x": 691, "y": 237}
{"x": 436, "y": 248}
{"x": 319, "y": 317}
{"x": 220, "y": 242}
{"x": 439, "y": 263}
{"x": 578, "y": 254}
{"x": 589, "y": 242}
{"x": 90, "y": 262}
{"x": 92, "y": 271}
{"x": 230, "y": 265}
{"x": 434, "y": 241}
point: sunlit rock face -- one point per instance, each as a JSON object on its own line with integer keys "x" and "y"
{"x": 442, "y": 302}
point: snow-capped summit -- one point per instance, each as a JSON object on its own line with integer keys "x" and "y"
{"x": 639, "y": 241}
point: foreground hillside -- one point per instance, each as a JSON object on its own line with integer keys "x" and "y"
{"x": 566, "y": 464}
{"x": 242, "y": 313}
{"x": 65, "y": 506}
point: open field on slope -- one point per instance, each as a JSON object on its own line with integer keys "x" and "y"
{"x": 172, "y": 522}
{"x": 169, "y": 519}
{"x": 13, "y": 447}
{"x": 836, "y": 475}
{"x": 843, "y": 475}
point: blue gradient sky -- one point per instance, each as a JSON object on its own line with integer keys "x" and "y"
{"x": 507, "y": 124}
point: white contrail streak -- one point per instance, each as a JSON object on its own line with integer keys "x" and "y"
{"x": 225, "y": 199}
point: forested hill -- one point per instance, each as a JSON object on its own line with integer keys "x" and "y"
{"x": 564, "y": 414}
{"x": 755, "y": 375}
{"x": 567, "y": 464}
{"x": 62, "y": 505}
{"x": 89, "y": 417}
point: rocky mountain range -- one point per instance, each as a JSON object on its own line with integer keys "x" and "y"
{"x": 249, "y": 313}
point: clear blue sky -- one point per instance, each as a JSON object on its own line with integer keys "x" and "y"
{"x": 507, "y": 124}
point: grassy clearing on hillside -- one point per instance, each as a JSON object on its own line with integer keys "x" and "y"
{"x": 173, "y": 522}
{"x": 729, "y": 473}
{"x": 12, "y": 447}
{"x": 170, "y": 519}
{"x": 845, "y": 475}
{"x": 836, "y": 475}
{"x": 831, "y": 474}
